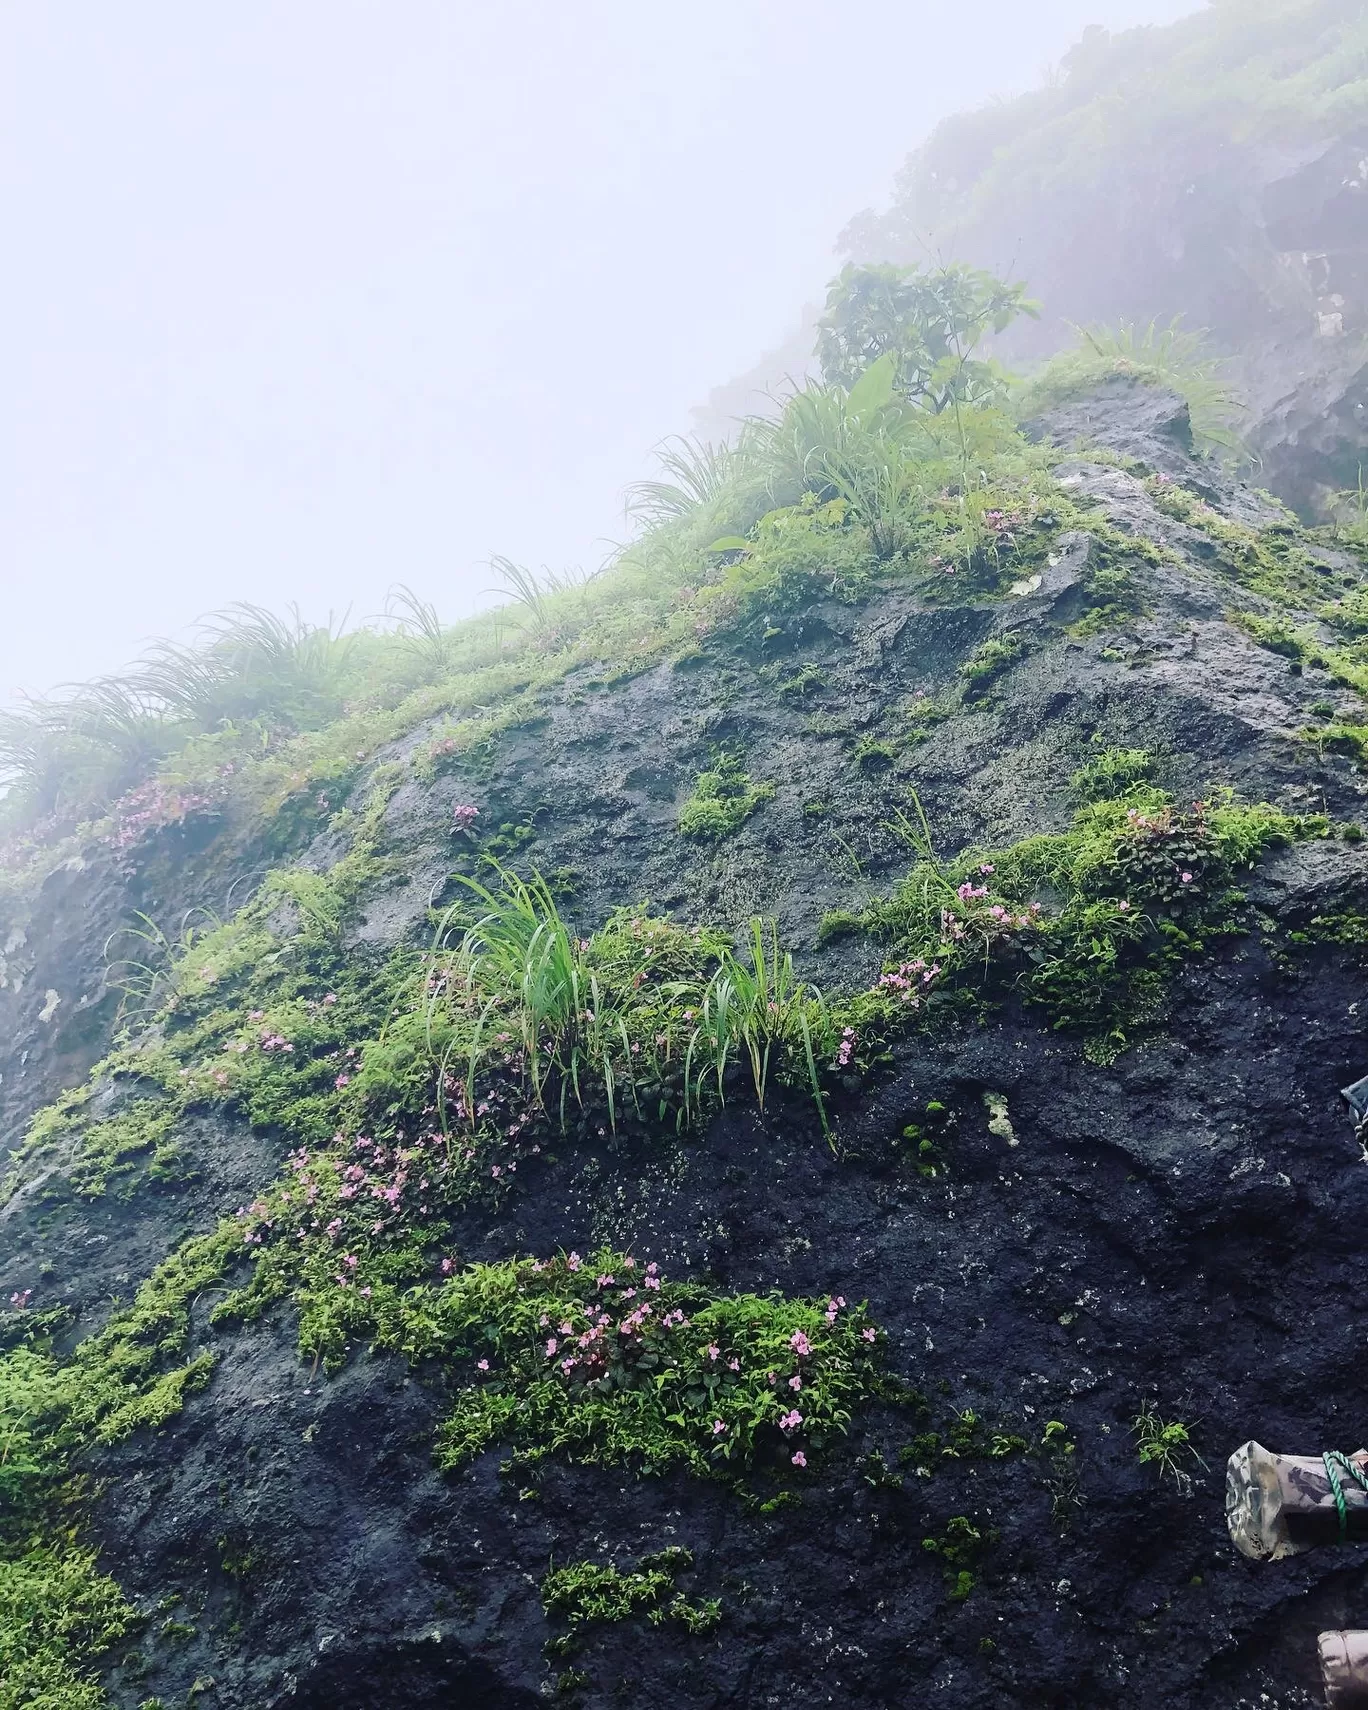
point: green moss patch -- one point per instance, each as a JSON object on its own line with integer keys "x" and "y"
{"x": 724, "y": 798}
{"x": 584, "y": 1594}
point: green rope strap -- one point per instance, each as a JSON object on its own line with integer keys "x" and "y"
{"x": 1335, "y": 1464}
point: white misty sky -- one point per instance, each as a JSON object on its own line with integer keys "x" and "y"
{"x": 303, "y": 298}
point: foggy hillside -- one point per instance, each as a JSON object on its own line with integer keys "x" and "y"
{"x": 752, "y": 1129}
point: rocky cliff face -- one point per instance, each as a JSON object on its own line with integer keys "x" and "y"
{"x": 1057, "y": 1230}
{"x": 1215, "y": 170}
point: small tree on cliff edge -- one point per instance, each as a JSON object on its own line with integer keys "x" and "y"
{"x": 932, "y": 320}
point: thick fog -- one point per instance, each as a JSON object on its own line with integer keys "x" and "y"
{"x": 309, "y": 297}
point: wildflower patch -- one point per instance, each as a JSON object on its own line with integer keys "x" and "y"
{"x": 1083, "y": 925}
{"x": 603, "y": 1359}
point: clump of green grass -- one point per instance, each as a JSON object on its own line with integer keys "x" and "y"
{"x": 724, "y": 798}
{"x": 803, "y": 683}
{"x": 1155, "y": 355}
{"x": 871, "y": 755}
{"x": 1112, "y": 773}
{"x": 1277, "y": 635}
{"x": 583, "y": 1594}
{"x": 1166, "y": 1445}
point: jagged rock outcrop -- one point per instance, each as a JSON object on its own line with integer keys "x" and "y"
{"x": 1181, "y": 1225}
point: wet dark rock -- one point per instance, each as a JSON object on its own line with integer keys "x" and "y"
{"x": 1185, "y": 1224}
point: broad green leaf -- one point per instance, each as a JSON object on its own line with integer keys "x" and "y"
{"x": 730, "y": 543}
{"x": 874, "y": 389}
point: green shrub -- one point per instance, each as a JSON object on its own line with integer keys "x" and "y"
{"x": 1082, "y": 925}
{"x": 960, "y": 1547}
{"x": 677, "y": 1376}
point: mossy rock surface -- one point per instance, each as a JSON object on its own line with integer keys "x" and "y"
{"x": 1041, "y": 1238}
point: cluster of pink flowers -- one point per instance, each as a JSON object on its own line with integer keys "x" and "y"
{"x": 20, "y": 1298}
{"x": 846, "y": 1049}
{"x": 910, "y": 980}
{"x": 153, "y": 805}
{"x": 586, "y": 1341}
{"x": 463, "y": 816}
{"x": 331, "y": 1180}
{"x": 989, "y": 923}
{"x": 274, "y": 1042}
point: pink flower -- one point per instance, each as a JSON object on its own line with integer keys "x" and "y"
{"x": 1124, "y": 907}
{"x": 1186, "y": 878}
{"x": 551, "y": 1346}
{"x": 718, "y": 1427}
{"x": 463, "y": 816}
{"x": 869, "y": 1335}
{"x": 795, "y": 1382}
{"x": 713, "y": 1350}
{"x": 799, "y": 1343}
{"x": 799, "y": 1459}
{"x": 790, "y": 1421}
{"x": 482, "y": 1365}
{"x": 447, "y": 1267}
{"x": 573, "y": 1262}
